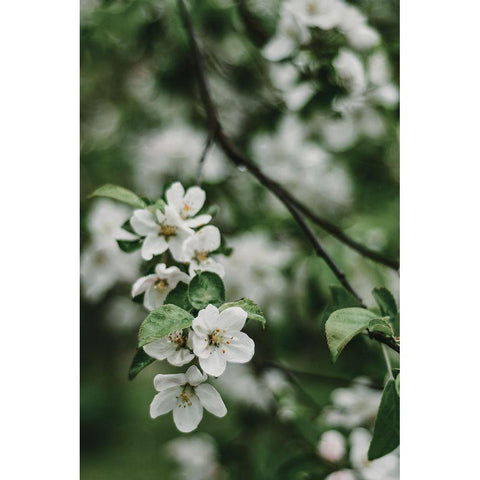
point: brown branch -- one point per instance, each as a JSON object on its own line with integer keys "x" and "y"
{"x": 293, "y": 205}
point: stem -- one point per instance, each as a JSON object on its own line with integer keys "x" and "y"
{"x": 387, "y": 360}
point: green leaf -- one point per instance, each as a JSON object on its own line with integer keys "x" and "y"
{"x": 341, "y": 298}
{"x": 381, "y": 325}
{"x": 342, "y": 325}
{"x": 179, "y": 297}
{"x": 121, "y": 194}
{"x": 158, "y": 204}
{"x": 162, "y": 321}
{"x": 139, "y": 362}
{"x": 253, "y": 310}
{"x": 385, "y": 301}
{"x": 128, "y": 227}
{"x": 206, "y": 288}
{"x": 386, "y": 434}
{"x": 130, "y": 245}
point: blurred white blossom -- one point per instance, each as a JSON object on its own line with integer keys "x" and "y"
{"x": 332, "y": 446}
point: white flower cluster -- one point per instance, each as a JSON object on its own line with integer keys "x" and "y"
{"x": 215, "y": 336}
{"x": 297, "y": 16}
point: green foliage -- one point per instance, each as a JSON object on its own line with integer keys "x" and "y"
{"x": 343, "y": 325}
{"x": 179, "y": 297}
{"x": 139, "y": 362}
{"x": 121, "y": 194}
{"x": 381, "y": 325}
{"x": 253, "y": 310}
{"x": 206, "y": 288}
{"x": 162, "y": 321}
{"x": 386, "y": 434}
{"x": 130, "y": 245}
{"x": 385, "y": 301}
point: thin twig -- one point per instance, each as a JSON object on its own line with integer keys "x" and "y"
{"x": 201, "y": 162}
{"x": 241, "y": 160}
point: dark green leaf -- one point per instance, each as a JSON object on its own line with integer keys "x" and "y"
{"x": 121, "y": 194}
{"x": 179, "y": 297}
{"x": 206, "y": 288}
{"x": 130, "y": 245}
{"x": 342, "y": 325}
{"x": 139, "y": 362}
{"x": 386, "y": 434}
{"x": 385, "y": 301}
{"x": 162, "y": 321}
{"x": 128, "y": 227}
{"x": 253, "y": 310}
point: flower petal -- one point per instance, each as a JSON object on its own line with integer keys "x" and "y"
{"x": 208, "y": 239}
{"x": 240, "y": 349}
{"x": 214, "y": 364}
{"x": 164, "y": 401}
{"x": 142, "y": 284}
{"x": 187, "y": 417}
{"x": 194, "y": 376}
{"x": 160, "y": 349}
{"x": 175, "y": 244}
{"x": 193, "y": 201}
{"x": 198, "y": 221}
{"x": 163, "y": 382}
{"x": 180, "y": 356}
{"x": 201, "y": 348}
{"x": 232, "y": 318}
{"x": 143, "y": 222}
{"x": 154, "y": 298}
{"x": 211, "y": 400}
{"x": 175, "y": 195}
{"x": 153, "y": 245}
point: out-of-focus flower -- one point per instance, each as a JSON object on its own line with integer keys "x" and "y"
{"x": 384, "y": 468}
{"x": 331, "y": 446}
{"x": 325, "y": 14}
{"x": 350, "y": 71}
{"x": 217, "y": 339}
{"x": 196, "y": 457}
{"x": 176, "y": 348}
{"x": 291, "y": 33}
{"x": 123, "y": 314}
{"x": 188, "y": 204}
{"x": 198, "y": 249}
{"x": 341, "y": 475}
{"x": 158, "y": 285}
{"x": 162, "y": 231}
{"x": 353, "y": 406}
{"x": 302, "y": 166}
{"x": 103, "y": 264}
{"x": 354, "y": 26}
{"x": 187, "y": 396}
{"x": 247, "y": 387}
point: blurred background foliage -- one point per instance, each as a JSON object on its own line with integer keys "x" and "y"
{"x": 323, "y": 121}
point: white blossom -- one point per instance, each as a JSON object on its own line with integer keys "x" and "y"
{"x": 158, "y": 285}
{"x": 176, "y": 348}
{"x": 325, "y": 14}
{"x": 332, "y": 446}
{"x": 198, "y": 251}
{"x": 196, "y": 457}
{"x": 188, "y": 204}
{"x": 187, "y": 396}
{"x": 353, "y": 406}
{"x": 217, "y": 339}
{"x": 354, "y": 26}
{"x": 350, "y": 71}
{"x": 344, "y": 474}
{"x": 162, "y": 231}
{"x": 291, "y": 33}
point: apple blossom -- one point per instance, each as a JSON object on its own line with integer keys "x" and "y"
{"x": 198, "y": 249}
{"x": 162, "y": 231}
{"x": 176, "y": 348}
{"x": 158, "y": 285}
{"x": 184, "y": 394}
{"x": 217, "y": 339}
{"x": 188, "y": 204}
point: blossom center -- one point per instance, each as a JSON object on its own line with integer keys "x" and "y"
{"x": 201, "y": 256}
{"x": 185, "y": 397}
{"x": 161, "y": 284}
{"x": 186, "y": 210}
{"x": 168, "y": 230}
{"x": 179, "y": 338}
